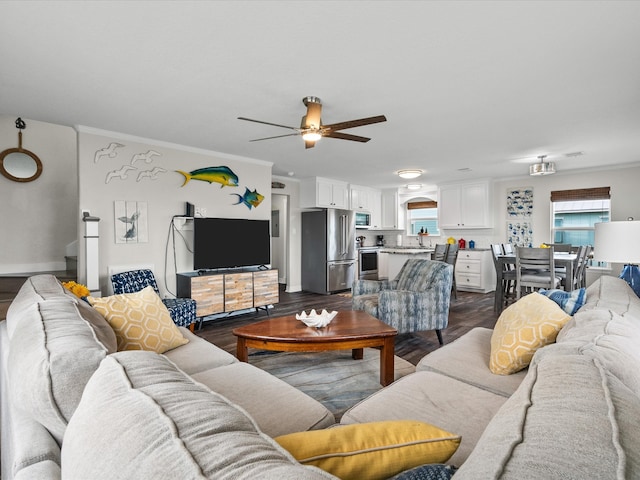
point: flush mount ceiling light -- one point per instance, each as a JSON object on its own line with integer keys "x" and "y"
{"x": 414, "y": 186}
{"x": 409, "y": 174}
{"x": 542, "y": 168}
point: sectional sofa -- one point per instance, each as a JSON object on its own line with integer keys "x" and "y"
{"x": 73, "y": 407}
{"x": 574, "y": 413}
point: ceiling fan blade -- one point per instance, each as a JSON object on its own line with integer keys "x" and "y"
{"x": 355, "y": 123}
{"x": 277, "y": 136}
{"x": 267, "y": 123}
{"x": 346, "y": 136}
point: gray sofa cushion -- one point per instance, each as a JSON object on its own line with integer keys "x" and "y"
{"x": 53, "y": 352}
{"x": 277, "y": 407}
{"x": 467, "y": 359}
{"x": 436, "y": 399}
{"x": 569, "y": 419}
{"x": 35, "y": 289}
{"x": 613, "y": 339}
{"x": 612, "y": 293}
{"x": 198, "y": 355}
{"x": 182, "y": 429}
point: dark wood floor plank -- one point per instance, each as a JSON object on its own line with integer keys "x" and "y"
{"x": 469, "y": 310}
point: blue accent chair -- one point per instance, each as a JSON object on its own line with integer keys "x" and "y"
{"x": 416, "y": 300}
{"x": 182, "y": 310}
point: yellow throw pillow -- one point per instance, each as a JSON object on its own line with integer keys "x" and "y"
{"x": 529, "y": 324}
{"x": 140, "y": 320}
{"x": 375, "y": 450}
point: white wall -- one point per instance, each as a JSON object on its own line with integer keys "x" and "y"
{"x": 624, "y": 203}
{"x": 39, "y": 218}
{"x": 165, "y": 197}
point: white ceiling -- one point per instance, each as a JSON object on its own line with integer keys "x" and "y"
{"x": 479, "y": 85}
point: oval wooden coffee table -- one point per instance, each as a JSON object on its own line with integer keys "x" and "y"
{"x": 349, "y": 329}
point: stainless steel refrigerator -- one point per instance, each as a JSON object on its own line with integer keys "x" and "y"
{"x": 328, "y": 250}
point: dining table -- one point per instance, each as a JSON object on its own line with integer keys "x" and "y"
{"x": 560, "y": 260}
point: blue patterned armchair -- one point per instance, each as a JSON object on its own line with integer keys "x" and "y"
{"x": 416, "y": 300}
{"x": 182, "y": 310}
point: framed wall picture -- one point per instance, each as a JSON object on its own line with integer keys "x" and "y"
{"x": 131, "y": 222}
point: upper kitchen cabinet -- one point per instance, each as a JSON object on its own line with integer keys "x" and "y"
{"x": 360, "y": 198}
{"x": 465, "y": 206}
{"x": 366, "y": 199}
{"x": 323, "y": 192}
{"x": 391, "y": 217}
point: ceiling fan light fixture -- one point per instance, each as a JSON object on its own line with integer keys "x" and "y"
{"x": 542, "y": 168}
{"x": 409, "y": 174}
{"x": 311, "y": 136}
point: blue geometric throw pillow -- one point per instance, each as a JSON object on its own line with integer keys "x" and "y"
{"x": 434, "y": 471}
{"x": 570, "y": 302}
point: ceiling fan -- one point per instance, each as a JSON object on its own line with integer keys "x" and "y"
{"x": 312, "y": 129}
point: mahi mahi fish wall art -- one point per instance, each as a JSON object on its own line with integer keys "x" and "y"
{"x": 222, "y": 175}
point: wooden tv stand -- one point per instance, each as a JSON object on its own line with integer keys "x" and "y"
{"x": 228, "y": 291}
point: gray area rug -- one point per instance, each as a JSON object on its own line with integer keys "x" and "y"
{"x": 333, "y": 378}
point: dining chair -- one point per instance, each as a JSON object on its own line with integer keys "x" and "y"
{"x": 507, "y": 249}
{"x": 451, "y": 258}
{"x": 440, "y": 252}
{"x": 572, "y": 283}
{"x": 535, "y": 269}
{"x": 581, "y": 269}
{"x": 505, "y": 279}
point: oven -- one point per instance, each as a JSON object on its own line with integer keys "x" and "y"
{"x": 368, "y": 263}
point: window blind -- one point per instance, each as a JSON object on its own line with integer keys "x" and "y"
{"x": 423, "y": 204}
{"x": 598, "y": 193}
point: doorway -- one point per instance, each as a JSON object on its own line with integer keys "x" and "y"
{"x": 280, "y": 236}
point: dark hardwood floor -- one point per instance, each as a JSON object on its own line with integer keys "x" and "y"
{"x": 469, "y": 310}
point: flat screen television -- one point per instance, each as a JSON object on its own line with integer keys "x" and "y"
{"x": 230, "y": 243}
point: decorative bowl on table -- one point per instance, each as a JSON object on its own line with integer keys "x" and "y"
{"x": 314, "y": 319}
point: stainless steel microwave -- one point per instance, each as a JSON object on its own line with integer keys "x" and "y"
{"x": 363, "y": 220}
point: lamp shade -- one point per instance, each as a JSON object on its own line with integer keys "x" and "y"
{"x": 617, "y": 242}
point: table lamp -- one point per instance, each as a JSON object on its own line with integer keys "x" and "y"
{"x": 619, "y": 242}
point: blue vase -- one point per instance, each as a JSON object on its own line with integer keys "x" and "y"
{"x": 631, "y": 275}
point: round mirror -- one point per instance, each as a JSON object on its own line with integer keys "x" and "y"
{"x": 20, "y": 165}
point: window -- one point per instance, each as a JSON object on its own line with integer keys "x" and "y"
{"x": 423, "y": 215}
{"x": 574, "y": 214}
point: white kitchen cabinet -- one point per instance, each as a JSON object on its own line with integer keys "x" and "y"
{"x": 323, "y": 192}
{"x": 475, "y": 271}
{"x": 366, "y": 199}
{"x": 465, "y": 206}
{"x": 375, "y": 202}
{"x": 383, "y": 266}
{"x": 391, "y": 217}
{"x": 360, "y": 198}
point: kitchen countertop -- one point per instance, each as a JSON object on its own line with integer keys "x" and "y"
{"x": 406, "y": 250}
